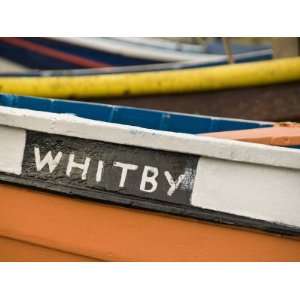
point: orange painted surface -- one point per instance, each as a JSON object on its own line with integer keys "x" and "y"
{"x": 17, "y": 251}
{"x": 279, "y": 135}
{"x": 113, "y": 233}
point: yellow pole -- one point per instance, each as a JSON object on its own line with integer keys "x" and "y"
{"x": 156, "y": 82}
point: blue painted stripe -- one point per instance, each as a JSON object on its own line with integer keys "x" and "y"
{"x": 152, "y": 119}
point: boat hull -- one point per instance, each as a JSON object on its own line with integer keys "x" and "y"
{"x": 118, "y": 184}
{"x": 13, "y": 250}
{"x": 113, "y": 233}
{"x": 68, "y": 53}
{"x": 144, "y": 168}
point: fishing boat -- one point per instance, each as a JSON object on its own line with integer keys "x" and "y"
{"x": 266, "y": 90}
{"x": 70, "y": 53}
{"x": 86, "y": 182}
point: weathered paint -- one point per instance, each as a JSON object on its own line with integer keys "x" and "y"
{"x": 164, "y": 82}
{"x": 97, "y": 166}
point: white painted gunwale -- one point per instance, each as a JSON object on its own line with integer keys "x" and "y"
{"x": 70, "y": 125}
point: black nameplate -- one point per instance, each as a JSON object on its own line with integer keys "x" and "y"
{"x": 105, "y": 167}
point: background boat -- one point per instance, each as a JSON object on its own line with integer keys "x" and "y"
{"x": 71, "y": 53}
{"x": 266, "y": 90}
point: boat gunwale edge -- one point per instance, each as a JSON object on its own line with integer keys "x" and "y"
{"x": 70, "y": 125}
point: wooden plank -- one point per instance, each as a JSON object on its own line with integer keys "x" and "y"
{"x": 287, "y": 135}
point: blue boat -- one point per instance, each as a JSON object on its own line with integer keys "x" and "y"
{"x": 74, "y": 53}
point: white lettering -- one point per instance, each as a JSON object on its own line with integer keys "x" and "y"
{"x": 125, "y": 168}
{"x": 99, "y": 171}
{"x": 148, "y": 183}
{"x": 47, "y": 160}
{"x": 173, "y": 184}
{"x": 72, "y": 164}
{"x": 149, "y": 179}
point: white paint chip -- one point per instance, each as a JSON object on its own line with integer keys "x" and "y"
{"x": 12, "y": 147}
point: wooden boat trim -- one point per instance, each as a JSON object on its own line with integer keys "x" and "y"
{"x": 24, "y": 131}
{"x": 284, "y": 134}
{"x": 70, "y": 125}
{"x": 162, "y": 82}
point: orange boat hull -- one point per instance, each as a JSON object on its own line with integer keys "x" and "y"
{"x": 18, "y": 251}
{"x": 41, "y": 226}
